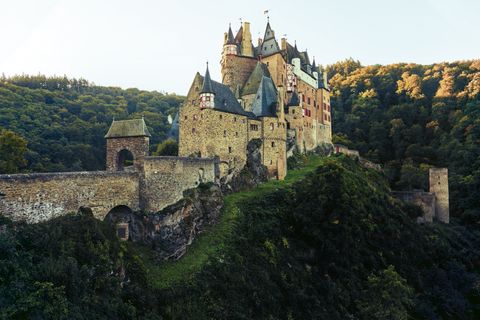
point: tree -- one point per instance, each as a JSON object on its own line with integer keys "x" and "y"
{"x": 387, "y": 296}
{"x": 12, "y": 152}
{"x": 168, "y": 147}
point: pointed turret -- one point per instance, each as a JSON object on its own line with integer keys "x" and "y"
{"x": 207, "y": 83}
{"x": 207, "y": 95}
{"x": 230, "y": 45}
{"x": 269, "y": 45}
{"x": 230, "y": 38}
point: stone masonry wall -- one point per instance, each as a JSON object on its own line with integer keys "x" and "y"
{"x": 208, "y": 133}
{"x": 166, "y": 178}
{"x": 138, "y": 146}
{"x": 426, "y": 200}
{"x": 439, "y": 186}
{"x": 43, "y": 196}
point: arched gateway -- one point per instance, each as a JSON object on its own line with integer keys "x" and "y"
{"x": 127, "y": 140}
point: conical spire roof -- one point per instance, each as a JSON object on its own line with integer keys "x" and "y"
{"x": 231, "y": 38}
{"x": 207, "y": 83}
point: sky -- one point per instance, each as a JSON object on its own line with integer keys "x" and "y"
{"x": 160, "y": 45}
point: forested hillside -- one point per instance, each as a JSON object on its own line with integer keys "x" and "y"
{"x": 327, "y": 243}
{"x": 64, "y": 120}
{"x": 410, "y": 117}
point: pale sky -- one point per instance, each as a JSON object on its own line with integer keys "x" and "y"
{"x": 159, "y": 45}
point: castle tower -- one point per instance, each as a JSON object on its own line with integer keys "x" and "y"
{"x": 207, "y": 96}
{"x": 238, "y": 60}
{"x": 439, "y": 186}
{"x": 229, "y": 46}
{"x": 127, "y": 140}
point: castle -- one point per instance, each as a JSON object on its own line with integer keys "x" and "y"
{"x": 271, "y": 92}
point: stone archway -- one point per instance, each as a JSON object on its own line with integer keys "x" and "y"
{"x": 121, "y": 217}
{"x": 125, "y": 160}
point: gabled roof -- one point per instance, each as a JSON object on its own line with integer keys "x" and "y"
{"x": 253, "y": 82}
{"x": 269, "y": 45}
{"x": 128, "y": 128}
{"x": 265, "y": 103}
{"x": 225, "y": 100}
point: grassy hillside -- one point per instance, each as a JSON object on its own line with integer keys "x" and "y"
{"x": 329, "y": 243}
{"x": 64, "y": 120}
{"x": 411, "y": 117}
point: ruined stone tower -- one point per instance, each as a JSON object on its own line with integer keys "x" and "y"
{"x": 439, "y": 186}
{"x": 126, "y": 139}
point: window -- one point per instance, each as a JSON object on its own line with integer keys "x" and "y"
{"x": 193, "y": 130}
{"x": 271, "y": 162}
{"x": 236, "y": 134}
{"x": 303, "y": 98}
{"x": 186, "y": 117}
{"x": 308, "y": 100}
{"x": 254, "y": 127}
{"x": 273, "y": 144}
{"x": 207, "y": 98}
{"x": 229, "y": 149}
{"x": 272, "y": 126}
{"x": 221, "y": 117}
{"x": 224, "y": 133}
{"x": 234, "y": 119}
{"x": 194, "y": 117}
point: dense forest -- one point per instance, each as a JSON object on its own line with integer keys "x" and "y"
{"x": 64, "y": 120}
{"x": 329, "y": 242}
{"x": 410, "y": 117}
{"x": 310, "y": 248}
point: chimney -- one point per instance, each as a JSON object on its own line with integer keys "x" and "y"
{"x": 260, "y": 41}
{"x": 284, "y": 44}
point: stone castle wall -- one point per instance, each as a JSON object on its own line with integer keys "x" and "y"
{"x": 426, "y": 201}
{"x": 43, "y": 196}
{"x": 166, "y": 178}
{"x": 236, "y": 70}
{"x": 209, "y": 133}
{"x": 439, "y": 185}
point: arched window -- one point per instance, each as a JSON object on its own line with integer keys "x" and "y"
{"x": 273, "y": 144}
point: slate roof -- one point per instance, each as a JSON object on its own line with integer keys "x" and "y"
{"x": 269, "y": 45}
{"x": 265, "y": 103}
{"x": 225, "y": 99}
{"x": 128, "y": 128}
{"x": 207, "y": 84}
{"x": 253, "y": 82}
{"x": 294, "y": 100}
{"x": 230, "y": 39}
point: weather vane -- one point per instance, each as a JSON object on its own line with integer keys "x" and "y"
{"x": 266, "y": 13}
